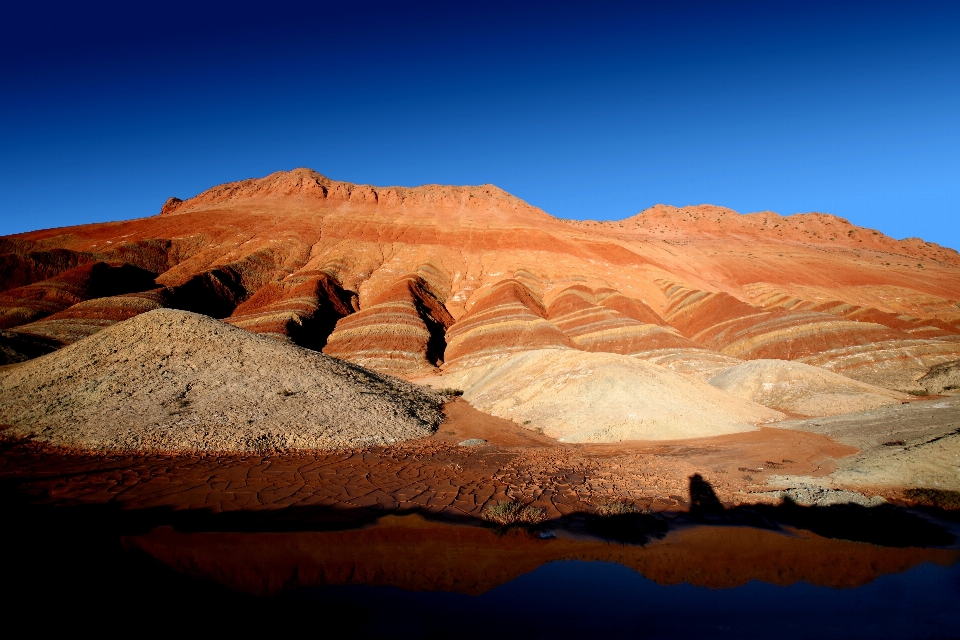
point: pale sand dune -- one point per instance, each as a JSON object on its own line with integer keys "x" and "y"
{"x": 174, "y": 380}
{"x": 802, "y": 389}
{"x": 576, "y": 396}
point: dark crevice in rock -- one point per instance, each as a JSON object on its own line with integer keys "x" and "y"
{"x": 214, "y": 293}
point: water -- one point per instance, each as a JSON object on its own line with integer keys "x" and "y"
{"x": 600, "y": 599}
{"x": 409, "y": 577}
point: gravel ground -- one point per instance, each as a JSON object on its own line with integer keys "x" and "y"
{"x": 910, "y": 445}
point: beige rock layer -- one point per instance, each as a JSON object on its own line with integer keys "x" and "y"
{"x": 577, "y": 396}
{"x": 802, "y": 389}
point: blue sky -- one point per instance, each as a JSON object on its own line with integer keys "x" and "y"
{"x": 588, "y": 110}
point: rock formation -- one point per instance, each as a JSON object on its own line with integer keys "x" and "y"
{"x": 418, "y": 281}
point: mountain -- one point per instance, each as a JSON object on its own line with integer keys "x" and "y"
{"x": 415, "y": 281}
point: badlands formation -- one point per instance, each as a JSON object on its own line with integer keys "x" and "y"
{"x": 293, "y": 312}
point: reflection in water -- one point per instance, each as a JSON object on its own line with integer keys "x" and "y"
{"x": 413, "y": 553}
{"x": 576, "y": 599}
{"x": 412, "y": 577}
{"x": 748, "y": 571}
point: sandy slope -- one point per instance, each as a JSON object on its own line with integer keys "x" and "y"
{"x": 602, "y": 397}
{"x": 802, "y": 389}
{"x": 174, "y": 380}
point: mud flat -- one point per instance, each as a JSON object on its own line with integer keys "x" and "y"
{"x": 435, "y": 475}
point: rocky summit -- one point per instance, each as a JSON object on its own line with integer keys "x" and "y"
{"x": 432, "y": 280}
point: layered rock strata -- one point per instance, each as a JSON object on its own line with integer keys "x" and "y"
{"x": 598, "y": 321}
{"x": 303, "y": 309}
{"x": 772, "y": 297}
{"x": 695, "y": 289}
{"x": 26, "y": 304}
{"x": 507, "y": 319}
{"x": 402, "y": 331}
{"x": 719, "y": 321}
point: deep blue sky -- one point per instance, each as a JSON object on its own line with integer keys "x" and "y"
{"x": 587, "y": 110}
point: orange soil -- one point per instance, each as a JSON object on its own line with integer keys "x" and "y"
{"x": 433, "y": 475}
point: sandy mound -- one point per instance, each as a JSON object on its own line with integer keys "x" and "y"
{"x": 576, "y": 396}
{"x": 174, "y": 380}
{"x": 802, "y": 389}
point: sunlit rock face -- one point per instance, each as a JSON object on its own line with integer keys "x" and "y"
{"x": 419, "y": 281}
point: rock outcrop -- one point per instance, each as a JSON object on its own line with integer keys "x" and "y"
{"x": 719, "y": 321}
{"x": 943, "y": 378}
{"x": 402, "y": 331}
{"x": 507, "y": 319}
{"x": 599, "y": 321}
{"x": 92, "y": 280}
{"x": 303, "y": 308}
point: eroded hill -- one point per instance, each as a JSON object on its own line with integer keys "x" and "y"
{"x": 418, "y": 281}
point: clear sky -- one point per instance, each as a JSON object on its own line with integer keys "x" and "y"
{"x": 585, "y": 109}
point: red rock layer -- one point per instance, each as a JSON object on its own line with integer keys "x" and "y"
{"x": 918, "y": 327}
{"x": 593, "y": 320}
{"x": 719, "y": 321}
{"x": 93, "y": 280}
{"x": 21, "y": 266}
{"x": 86, "y": 318}
{"x": 402, "y": 331}
{"x": 508, "y": 319}
{"x": 217, "y": 250}
{"x": 303, "y": 308}
{"x": 808, "y": 227}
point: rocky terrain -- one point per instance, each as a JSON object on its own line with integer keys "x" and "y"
{"x": 178, "y": 381}
{"x": 674, "y": 323}
{"x": 802, "y": 389}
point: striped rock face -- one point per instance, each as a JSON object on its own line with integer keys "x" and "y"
{"x": 401, "y": 332}
{"x": 303, "y": 309}
{"x": 415, "y": 280}
{"x": 595, "y": 322}
{"x": 86, "y": 318}
{"x": 721, "y": 322}
{"x": 508, "y": 319}
{"x": 96, "y": 280}
{"x": 770, "y": 297}
{"x": 894, "y": 364}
